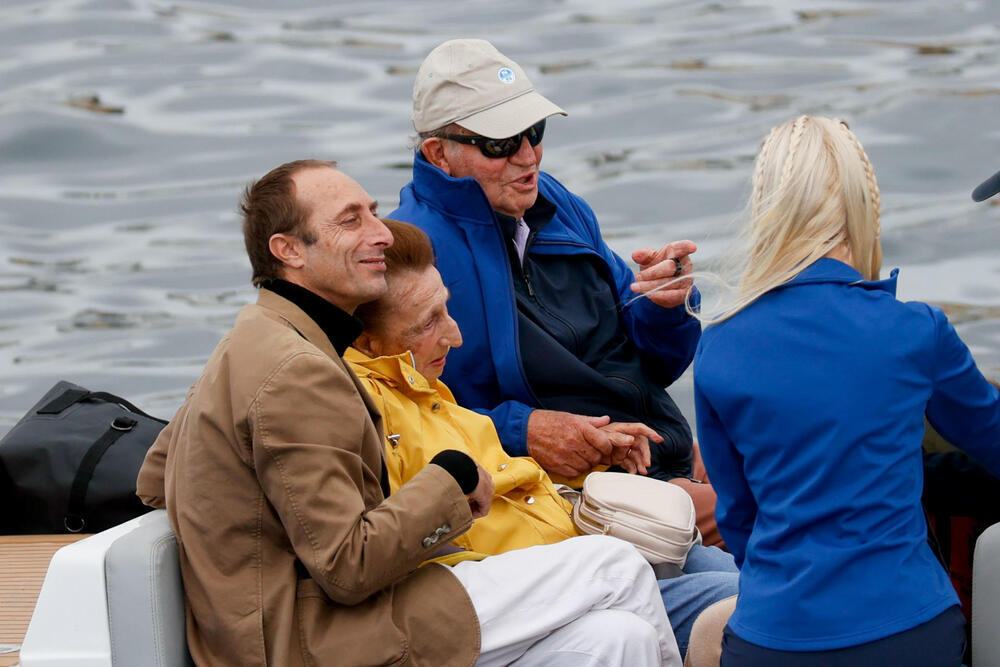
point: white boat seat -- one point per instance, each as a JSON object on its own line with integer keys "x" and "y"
{"x": 146, "y": 597}
{"x": 986, "y": 598}
{"x": 112, "y": 599}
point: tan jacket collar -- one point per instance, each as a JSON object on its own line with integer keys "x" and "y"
{"x": 297, "y": 318}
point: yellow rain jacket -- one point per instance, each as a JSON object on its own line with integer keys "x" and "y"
{"x": 423, "y": 419}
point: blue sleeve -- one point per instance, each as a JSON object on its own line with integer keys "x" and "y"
{"x": 735, "y": 506}
{"x": 964, "y": 408}
{"x": 511, "y": 421}
{"x": 669, "y": 335}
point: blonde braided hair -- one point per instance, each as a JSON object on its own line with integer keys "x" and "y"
{"x": 814, "y": 191}
{"x": 868, "y": 257}
{"x": 758, "y": 172}
{"x": 798, "y": 127}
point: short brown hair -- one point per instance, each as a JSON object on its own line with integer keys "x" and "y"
{"x": 411, "y": 250}
{"x": 269, "y": 206}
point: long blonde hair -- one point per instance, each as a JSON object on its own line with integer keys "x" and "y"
{"x": 814, "y": 191}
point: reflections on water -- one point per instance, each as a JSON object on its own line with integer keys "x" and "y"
{"x": 130, "y": 126}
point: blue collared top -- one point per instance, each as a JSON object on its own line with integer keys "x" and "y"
{"x": 487, "y": 372}
{"x": 810, "y": 406}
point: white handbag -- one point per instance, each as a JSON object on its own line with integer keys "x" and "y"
{"x": 655, "y": 516}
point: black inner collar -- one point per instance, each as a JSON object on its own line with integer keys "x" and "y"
{"x": 536, "y": 217}
{"x": 340, "y": 327}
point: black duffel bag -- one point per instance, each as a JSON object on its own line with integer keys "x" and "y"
{"x": 70, "y": 464}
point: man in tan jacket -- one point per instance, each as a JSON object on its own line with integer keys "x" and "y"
{"x": 292, "y": 550}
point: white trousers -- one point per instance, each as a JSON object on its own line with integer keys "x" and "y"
{"x": 589, "y": 600}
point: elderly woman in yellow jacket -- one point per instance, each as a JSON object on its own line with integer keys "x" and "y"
{"x": 422, "y": 419}
{"x": 399, "y": 358}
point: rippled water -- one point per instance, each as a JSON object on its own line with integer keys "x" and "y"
{"x": 128, "y": 128}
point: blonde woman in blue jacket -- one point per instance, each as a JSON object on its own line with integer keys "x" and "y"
{"x": 811, "y": 387}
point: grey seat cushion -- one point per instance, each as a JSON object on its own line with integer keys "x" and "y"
{"x": 146, "y": 597}
{"x": 986, "y": 598}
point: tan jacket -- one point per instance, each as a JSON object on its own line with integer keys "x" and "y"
{"x": 289, "y": 552}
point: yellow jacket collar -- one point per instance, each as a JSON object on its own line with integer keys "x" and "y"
{"x": 396, "y": 370}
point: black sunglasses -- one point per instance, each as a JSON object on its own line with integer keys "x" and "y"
{"x": 498, "y": 148}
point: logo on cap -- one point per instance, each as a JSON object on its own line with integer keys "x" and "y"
{"x": 506, "y": 75}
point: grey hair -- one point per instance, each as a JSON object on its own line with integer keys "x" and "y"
{"x": 417, "y": 140}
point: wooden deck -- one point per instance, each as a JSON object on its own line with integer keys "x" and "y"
{"x": 23, "y": 562}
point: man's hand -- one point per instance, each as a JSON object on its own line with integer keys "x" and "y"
{"x": 482, "y": 496}
{"x": 636, "y": 457}
{"x": 658, "y": 267}
{"x": 569, "y": 445}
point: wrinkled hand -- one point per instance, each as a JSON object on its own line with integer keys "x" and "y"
{"x": 635, "y": 458}
{"x": 568, "y": 445}
{"x": 482, "y": 496}
{"x": 657, "y": 268}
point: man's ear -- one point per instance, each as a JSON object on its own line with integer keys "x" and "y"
{"x": 288, "y": 249}
{"x": 433, "y": 150}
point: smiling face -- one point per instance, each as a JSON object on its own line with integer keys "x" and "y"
{"x": 346, "y": 263}
{"x": 415, "y": 319}
{"x": 510, "y": 183}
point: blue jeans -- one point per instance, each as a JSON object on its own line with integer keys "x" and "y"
{"x": 940, "y": 642}
{"x": 709, "y": 575}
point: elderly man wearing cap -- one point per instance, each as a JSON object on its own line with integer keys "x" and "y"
{"x": 568, "y": 365}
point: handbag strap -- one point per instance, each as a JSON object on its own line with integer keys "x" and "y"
{"x": 62, "y": 401}
{"x": 74, "y": 521}
{"x": 71, "y": 397}
{"x": 667, "y": 570}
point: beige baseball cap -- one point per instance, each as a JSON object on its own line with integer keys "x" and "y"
{"x": 469, "y": 82}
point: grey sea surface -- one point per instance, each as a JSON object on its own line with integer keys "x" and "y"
{"x": 129, "y": 127}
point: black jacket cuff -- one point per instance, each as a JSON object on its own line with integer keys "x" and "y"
{"x": 461, "y": 466}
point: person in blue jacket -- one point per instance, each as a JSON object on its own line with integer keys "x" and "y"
{"x": 811, "y": 386}
{"x": 570, "y": 370}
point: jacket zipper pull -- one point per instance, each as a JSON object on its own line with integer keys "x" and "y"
{"x": 393, "y": 440}
{"x": 524, "y": 263}
{"x": 525, "y": 278}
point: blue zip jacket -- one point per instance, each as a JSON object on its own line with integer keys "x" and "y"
{"x": 810, "y": 407}
{"x": 486, "y": 373}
